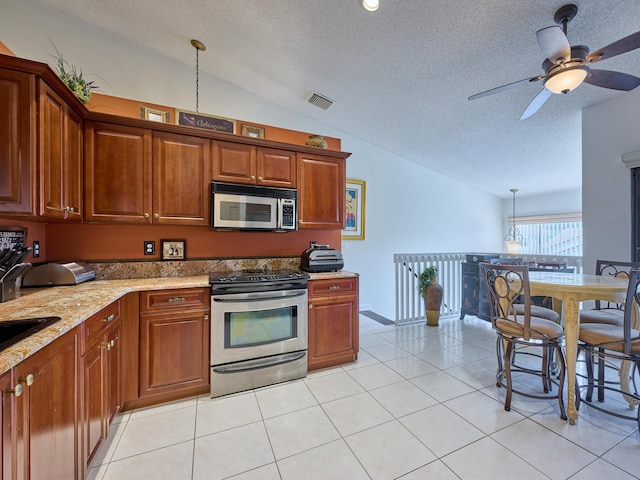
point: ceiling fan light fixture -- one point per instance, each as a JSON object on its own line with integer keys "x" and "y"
{"x": 566, "y": 79}
{"x": 370, "y": 5}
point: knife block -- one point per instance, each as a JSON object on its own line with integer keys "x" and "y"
{"x": 7, "y": 291}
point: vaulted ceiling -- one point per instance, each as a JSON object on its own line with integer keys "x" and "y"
{"x": 400, "y": 77}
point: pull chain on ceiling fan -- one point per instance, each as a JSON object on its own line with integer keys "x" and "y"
{"x": 567, "y": 67}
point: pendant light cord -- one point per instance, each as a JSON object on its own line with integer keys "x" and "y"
{"x": 197, "y": 76}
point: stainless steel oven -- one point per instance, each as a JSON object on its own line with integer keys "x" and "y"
{"x": 258, "y": 330}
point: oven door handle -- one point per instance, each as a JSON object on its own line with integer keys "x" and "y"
{"x": 262, "y": 363}
{"x": 257, "y": 298}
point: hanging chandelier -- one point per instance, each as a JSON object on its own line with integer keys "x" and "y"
{"x": 199, "y": 46}
{"x": 513, "y": 238}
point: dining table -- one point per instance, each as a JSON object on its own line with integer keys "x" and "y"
{"x": 571, "y": 289}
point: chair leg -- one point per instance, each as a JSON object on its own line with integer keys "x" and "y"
{"x": 546, "y": 384}
{"x": 601, "y": 368}
{"x": 562, "y": 370}
{"x": 588, "y": 358}
{"x": 507, "y": 372}
{"x": 500, "y": 372}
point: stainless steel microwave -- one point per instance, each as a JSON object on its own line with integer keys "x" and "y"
{"x": 250, "y": 207}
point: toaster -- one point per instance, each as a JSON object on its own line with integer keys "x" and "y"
{"x": 321, "y": 258}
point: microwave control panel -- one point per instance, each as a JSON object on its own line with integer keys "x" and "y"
{"x": 288, "y": 214}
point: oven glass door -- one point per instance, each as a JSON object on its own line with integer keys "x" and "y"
{"x": 245, "y": 211}
{"x": 246, "y": 326}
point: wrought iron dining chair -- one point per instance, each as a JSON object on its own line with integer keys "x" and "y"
{"x": 507, "y": 285}
{"x": 621, "y": 343}
{"x": 604, "y": 311}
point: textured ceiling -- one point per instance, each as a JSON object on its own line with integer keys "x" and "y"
{"x": 399, "y": 77}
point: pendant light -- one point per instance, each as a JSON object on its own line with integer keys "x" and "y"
{"x": 513, "y": 238}
{"x": 198, "y": 45}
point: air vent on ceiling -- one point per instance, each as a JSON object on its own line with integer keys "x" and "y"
{"x": 319, "y": 101}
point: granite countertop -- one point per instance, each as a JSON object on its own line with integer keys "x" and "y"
{"x": 75, "y": 304}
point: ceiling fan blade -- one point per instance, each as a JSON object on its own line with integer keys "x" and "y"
{"x": 536, "y": 103}
{"x": 613, "y": 80}
{"x": 506, "y": 87}
{"x": 554, "y": 44}
{"x": 623, "y": 45}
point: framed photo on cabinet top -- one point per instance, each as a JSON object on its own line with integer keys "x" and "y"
{"x": 173, "y": 249}
{"x": 251, "y": 131}
{"x": 154, "y": 115}
{"x": 355, "y": 212}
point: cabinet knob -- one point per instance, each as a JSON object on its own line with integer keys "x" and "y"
{"x": 29, "y": 379}
{"x": 17, "y": 390}
{"x": 109, "y": 318}
{"x": 71, "y": 209}
{"x": 310, "y": 306}
{"x": 253, "y": 177}
{"x": 146, "y": 215}
{"x": 334, "y": 287}
{"x": 206, "y": 317}
{"x": 176, "y": 300}
{"x": 156, "y": 216}
{"x": 259, "y": 179}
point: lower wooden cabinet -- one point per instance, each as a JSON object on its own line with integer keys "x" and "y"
{"x": 333, "y": 322}
{"x": 6, "y": 410}
{"x": 101, "y": 368}
{"x": 174, "y": 343}
{"x": 46, "y": 413}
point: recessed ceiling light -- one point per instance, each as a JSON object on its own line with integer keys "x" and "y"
{"x": 370, "y": 5}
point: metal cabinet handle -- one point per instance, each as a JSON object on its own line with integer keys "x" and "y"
{"x": 259, "y": 179}
{"x": 206, "y": 317}
{"x": 109, "y": 318}
{"x": 176, "y": 299}
{"x": 16, "y": 391}
{"x": 310, "y": 306}
{"x": 253, "y": 177}
{"x": 146, "y": 215}
{"x": 29, "y": 379}
{"x": 110, "y": 344}
{"x": 156, "y": 216}
{"x": 71, "y": 209}
{"x": 334, "y": 287}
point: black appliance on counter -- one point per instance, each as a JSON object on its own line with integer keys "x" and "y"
{"x": 11, "y": 267}
{"x": 321, "y": 258}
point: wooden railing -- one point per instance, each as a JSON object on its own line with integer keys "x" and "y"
{"x": 408, "y": 266}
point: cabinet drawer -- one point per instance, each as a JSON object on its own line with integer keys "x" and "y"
{"x": 168, "y": 299}
{"x": 94, "y": 327}
{"x": 336, "y": 286}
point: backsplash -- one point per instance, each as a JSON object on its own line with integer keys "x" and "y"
{"x": 110, "y": 270}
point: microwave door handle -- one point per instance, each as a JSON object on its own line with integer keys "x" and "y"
{"x": 235, "y": 299}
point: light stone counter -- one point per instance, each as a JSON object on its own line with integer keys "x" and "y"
{"x": 74, "y": 305}
{"x": 330, "y": 275}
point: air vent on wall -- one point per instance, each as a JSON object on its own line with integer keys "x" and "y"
{"x": 319, "y": 101}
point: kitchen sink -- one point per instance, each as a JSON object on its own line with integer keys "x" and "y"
{"x": 12, "y": 331}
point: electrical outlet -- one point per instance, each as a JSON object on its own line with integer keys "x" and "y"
{"x": 36, "y": 249}
{"x": 149, "y": 247}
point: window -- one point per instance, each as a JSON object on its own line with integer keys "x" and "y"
{"x": 551, "y": 234}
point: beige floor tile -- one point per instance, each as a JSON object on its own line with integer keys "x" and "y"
{"x": 227, "y": 453}
{"x": 442, "y": 386}
{"x": 402, "y": 398}
{"x": 625, "y": 455}
{"x": 483, "y": 412}
{"x": 165, "y": 407}
{"x": 411, "y": 367}
{"x": 332, "y": 387}
{"x": 299, "y": 431}
{"x": 356, "y": 413}
{"x": 387, "y": 352}
{"x": 389, "y": 451}
{"x": 167, "y": 463}
{"x": 375, "y": 376}
{"x": 333, "y": 461}
{"x": 487, "y": 459}
{"x": 284, "y": 398}
{"x": 223, "y": 413}
{"x": 266, "y": 472}
{"x": 441, "y": 430}
{"x": 434, "y": 470}
{"x": 156, "y": 431}
{"x": 371, "y": 340}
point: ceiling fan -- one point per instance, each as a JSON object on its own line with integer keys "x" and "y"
{"x": 566, "y": 66}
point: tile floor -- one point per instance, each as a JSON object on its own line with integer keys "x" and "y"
{"x": 420, "y": 403}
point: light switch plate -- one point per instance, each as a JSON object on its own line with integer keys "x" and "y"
{"x": 149, "y": 247}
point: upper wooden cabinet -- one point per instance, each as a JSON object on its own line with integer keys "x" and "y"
{"x": 321, "y": 190}
{"x": 17, "y": 143}
{"x": 135, "y": 176}
{"x": 60, "y": 154}
{"x": 241, "y": 163}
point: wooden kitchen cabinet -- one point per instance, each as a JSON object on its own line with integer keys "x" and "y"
{"x": 174, "y": 344}
{"x": 241, "y": 163}
{"x": 333, "y": 322}
{"x": 60, "y": 153}
{"x": 6, "y": 411}
{"x": 46, "y": 413}
{"x": 321, "y": 191}
{"x": 135, "y": 176}
{"x": 101, "y": 368}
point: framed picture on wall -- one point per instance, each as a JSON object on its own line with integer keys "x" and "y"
{"x": 355, "y": 213}
{"x": 173, "y": 249}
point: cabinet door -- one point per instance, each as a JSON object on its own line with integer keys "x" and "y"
{"x": 60, "y": 155}
{"x": 6, "y": 440}
{"x": 276, "y": 168}
{"x": 17, "y": 143}
{"x": 321, "y": 190}
{"x": 113, "y": 373}
{"x": 93, "y": 401}
{"x": 47, "y": 412}
{"x": 181, "y": 179}
{"x": 117, "y": 174}
{"x": 174, "y": 352}
{"x": 233, "y": 162}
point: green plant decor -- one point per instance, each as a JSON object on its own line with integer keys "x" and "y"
{"x": 427, "y": 278}
{"x": 73, "y": 78}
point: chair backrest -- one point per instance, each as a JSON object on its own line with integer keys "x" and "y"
{"x": 632, "y": 305}
{"x": 613, "y": 268}
{"x": 508, "y": 285}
